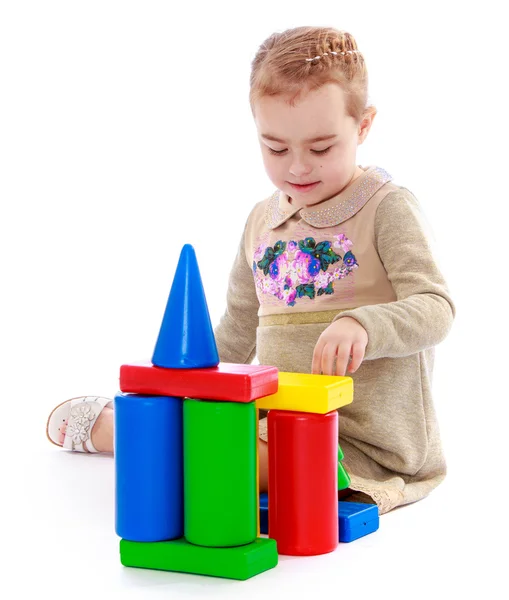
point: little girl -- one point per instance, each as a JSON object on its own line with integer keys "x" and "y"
{"x": 333, "y": 274}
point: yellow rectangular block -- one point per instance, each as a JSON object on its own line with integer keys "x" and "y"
{"x": 303, "y": 392}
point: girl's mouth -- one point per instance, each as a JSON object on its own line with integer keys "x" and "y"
{"x": 304, "y": 188}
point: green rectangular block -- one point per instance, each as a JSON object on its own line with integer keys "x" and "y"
{"x": 239, "y": 562}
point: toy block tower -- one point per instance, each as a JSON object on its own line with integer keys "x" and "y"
{"x": 186, "y": 448}
{"x": 301, "y": 511}
{"x": 305, "y": 462}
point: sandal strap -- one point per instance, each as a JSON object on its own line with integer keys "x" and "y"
{"x": 82, "y": 417}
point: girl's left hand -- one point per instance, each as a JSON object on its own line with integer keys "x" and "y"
{"x": 342, "y": 339}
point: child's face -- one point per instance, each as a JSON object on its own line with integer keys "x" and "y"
{"x": 329, "y": 164}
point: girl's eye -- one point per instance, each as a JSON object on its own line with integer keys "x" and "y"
{"x": 276, "y": 151}
{"x": 280, "y": 152}
{"x": 321, "y": 151}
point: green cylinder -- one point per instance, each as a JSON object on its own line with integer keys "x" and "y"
{"x": 220, "y": 504}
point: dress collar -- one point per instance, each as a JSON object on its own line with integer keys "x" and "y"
{"x": 334, "y": 211}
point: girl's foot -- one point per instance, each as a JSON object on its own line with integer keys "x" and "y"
{"x": 84, "y": 424}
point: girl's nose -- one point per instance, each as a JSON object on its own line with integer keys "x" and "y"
{"x": 299, "y": 168}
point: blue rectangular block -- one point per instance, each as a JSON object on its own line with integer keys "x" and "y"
{"x": 355, "y": 519}
{"x": 264, "y": 514}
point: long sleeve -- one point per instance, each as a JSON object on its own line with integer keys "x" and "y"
{"x": 423, "y": 313}
{"x": 236, "y": 331}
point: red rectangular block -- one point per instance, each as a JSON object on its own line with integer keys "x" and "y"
{"x": 227, "y": 381}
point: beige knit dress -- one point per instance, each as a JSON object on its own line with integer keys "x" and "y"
{"x": 366, "y": 254}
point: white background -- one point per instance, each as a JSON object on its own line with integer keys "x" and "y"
{"x": 125, "y": 132}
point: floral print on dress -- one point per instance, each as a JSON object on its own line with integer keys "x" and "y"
{"x": 299, "y": 269}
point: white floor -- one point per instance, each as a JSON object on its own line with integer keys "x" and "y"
{"x": 107, "y": 171}
{"x": 61, "y": 541}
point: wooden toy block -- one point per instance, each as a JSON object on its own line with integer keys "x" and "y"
{"x": 343, "y": 477}
{"x": 264, "y": 513}
{"x": 240, "y": 562}
{"x": 220, "y": 494}
{"x": 355, "y": 519}
{"x": 303, "y": 392}
{"x": 341, "y": 454}
{"x": 229, "y": 382}
{"x": 149, "y": 496}
{"x": 303, "y": 486}
{"x": 186, "y": 337}
{"x": 257, "y": 434}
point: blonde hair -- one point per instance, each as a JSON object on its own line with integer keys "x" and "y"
{"x": 303, "y": 59}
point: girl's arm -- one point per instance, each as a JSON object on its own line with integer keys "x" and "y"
{"x": 422, "y": 315}
{"x": 236, "y": 333}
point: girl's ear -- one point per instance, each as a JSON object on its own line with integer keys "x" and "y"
{"x": 365, "y": 124}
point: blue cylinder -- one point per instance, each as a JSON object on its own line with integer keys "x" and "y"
{"x": 148, "y": 468}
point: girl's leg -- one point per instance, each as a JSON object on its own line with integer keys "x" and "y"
{"x": 102, "y": 431}
{"x": 263, "y": 465}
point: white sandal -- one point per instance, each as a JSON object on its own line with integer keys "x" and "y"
{"x": 81, "y": 414}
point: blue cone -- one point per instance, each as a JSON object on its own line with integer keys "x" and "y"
{"x": 186, "y": 338}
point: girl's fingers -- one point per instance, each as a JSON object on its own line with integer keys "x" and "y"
{"x": 342, "y": 358}
{"x": 328, "y": 353}
{"x": 328, "y": 350}
{"x": 357, "y": 357}
{"x": 317, "y": 358}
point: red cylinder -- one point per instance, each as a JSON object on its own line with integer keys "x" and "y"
{"x": 303, "y": 481}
